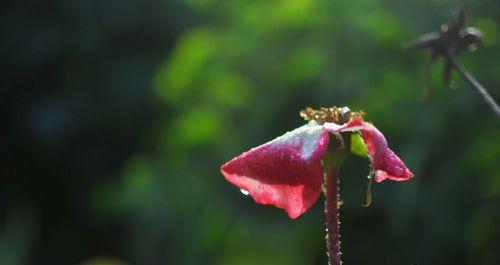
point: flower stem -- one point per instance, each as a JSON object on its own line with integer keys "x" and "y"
{"x": 331, "y": 163}
{"x": 332, "y": 216}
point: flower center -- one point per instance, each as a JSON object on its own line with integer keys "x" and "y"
{"x": 334, "y": 114}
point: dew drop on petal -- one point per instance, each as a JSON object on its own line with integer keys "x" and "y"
{"x": 244, "y": 192}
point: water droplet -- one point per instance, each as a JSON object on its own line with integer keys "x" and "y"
{"x": 244, "y": 192}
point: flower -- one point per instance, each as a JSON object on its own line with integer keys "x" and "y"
{"x": 287, "y": 171}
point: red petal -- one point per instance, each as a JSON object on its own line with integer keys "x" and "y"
{"x": 385, "y": 162}
{"x": 391, "y": 167}
{"x": 285, "y": 172}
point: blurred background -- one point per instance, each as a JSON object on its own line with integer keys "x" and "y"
{"x": 116, "y": 116}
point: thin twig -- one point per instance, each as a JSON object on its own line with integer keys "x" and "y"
{"x": 469, "y": 78}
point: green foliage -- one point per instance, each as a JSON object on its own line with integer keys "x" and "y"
{"x": 154, "y": 96}
{"x": 238, "y": 78}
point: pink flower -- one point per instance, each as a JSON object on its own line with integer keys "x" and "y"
{"x": 287, "y": 171}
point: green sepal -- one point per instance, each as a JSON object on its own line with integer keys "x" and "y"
{"x": 358, "y": 146}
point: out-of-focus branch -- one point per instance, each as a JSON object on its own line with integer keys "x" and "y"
{"x": 449, "y": 42}
{"x": 469, "y": 78}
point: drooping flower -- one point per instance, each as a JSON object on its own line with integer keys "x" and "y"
{"x": 287, "y": 171}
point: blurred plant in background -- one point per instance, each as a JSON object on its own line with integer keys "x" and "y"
{"x": 117, "y": 115}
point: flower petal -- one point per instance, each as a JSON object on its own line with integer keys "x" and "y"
{"x": 285, "y": 172}
{"x": 385, "y": 162}
{"x": 391, "y": 167}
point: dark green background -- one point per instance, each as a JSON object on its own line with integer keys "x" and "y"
{"x": 116, "y": 116}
